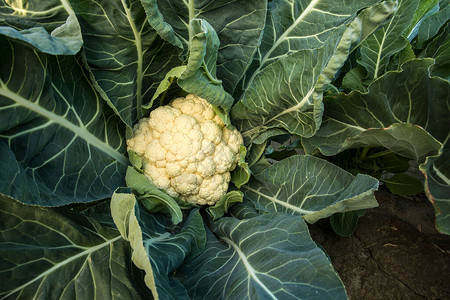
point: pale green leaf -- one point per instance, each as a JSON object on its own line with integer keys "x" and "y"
{"x": 152, "y": 198}
{"x": 123, "y": 211}
{"x": 47, "y": 26}
{"x": 199, "y": 77}
{"x": 155, "y": 249}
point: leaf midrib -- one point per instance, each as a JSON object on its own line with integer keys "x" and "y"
{"x": 81, "y": 132}
{"x": 279, "y": 202}
{"x": 248, "y": 267}
{"x": 140, "y": 59}
{"x": 282, "y": 38}
{"x": 64, "y": 262}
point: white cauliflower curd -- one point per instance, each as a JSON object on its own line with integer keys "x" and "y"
{"x": 187, "y": 150}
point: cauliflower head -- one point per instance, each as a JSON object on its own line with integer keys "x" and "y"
{"x": 186, "y": 150}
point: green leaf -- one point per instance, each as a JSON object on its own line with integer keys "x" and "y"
{"x": 358, "y": 30}
{"x": 266, "y": 257}
{"x": 155, "y": 249}
{"x": 255, "y": 153}
{"x": 127, "y": 59}
{"x": 63, "y": 255}
{"x": 165, "y": 85}
{"x": 239, "y": 32}
{"x": 222, "y": 206}
{"x": 47, "y": 26}
{"x": 62, "y": 141}
{"x": 294, "y": 25}
{"x": 123, "y": 212}
{"x": 311, "y": 187}
{"x": 431, "y": 25}
{"x": 289, "y": 84}
{"x": 199, "y": 78}
{"x": 394, "y": 163}
{"x": 398, "y": 59}
{"x": 152, "y": 198}
{"x": 377, "y": 49}
{"x": 437, "y": 186}
{"x": 422, "y": 11}
{"x": 156, "y": 20}
{"x": 406, "y": 140}
{"x": 403, "y": 184}
{"x": 408, "y": 119}
{"x": 345, "y": 223}
{"x": 288, "y": 92}
{"x": 354, "y": 80}
{"x": 439, "y": 49}
{"x": 241, "y": 175}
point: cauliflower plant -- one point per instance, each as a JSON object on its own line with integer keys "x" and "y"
{"x": 187, "y": 150}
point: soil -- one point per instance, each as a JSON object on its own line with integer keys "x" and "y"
{"x": 395, "y": 252}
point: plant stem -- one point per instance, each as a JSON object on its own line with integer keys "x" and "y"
{"x": 379, "y": 154}
{"x": 191, "y": 16}
{"x": 161, "y": 100}
{"x": 364, "y": 152}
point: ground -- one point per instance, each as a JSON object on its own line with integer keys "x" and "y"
{"x": 395, "y": 252}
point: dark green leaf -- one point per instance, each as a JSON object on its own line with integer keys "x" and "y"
{"x": 51, "y": 255}
{"x": 266, "y": 257}
{"x": 353, "y": 80}
{"x": 394, "y": 163}
{"x": 62, "y": 141}
{"x": 403, "y": 184}
{"x": 238, "y": 24}
{"x": 377, "y": 49}
{"x": 345, "y": 223}
{"x": 242, "y": 173}
{"x": 298, "y": 25}
{"x": 439, "y": 49}
{"x": 431, "y": 25}
{"x": 425, "y": 7}
{"x": 126, "y": 57}
{"x": 397, "y": 113}
{"x": 289, "y": 84}
{"x": 287, "y": 93}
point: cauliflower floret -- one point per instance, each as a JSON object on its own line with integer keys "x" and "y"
{"x": 187, "y": 150}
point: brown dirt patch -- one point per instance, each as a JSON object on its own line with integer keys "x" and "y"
{"x": 395, "y": 253}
